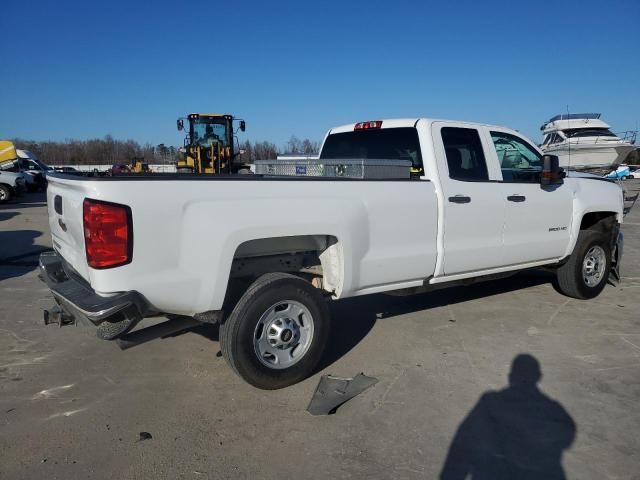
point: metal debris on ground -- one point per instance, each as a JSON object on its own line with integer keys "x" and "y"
{"x": 145, "y": 436}
{"x": 332, "y": 392}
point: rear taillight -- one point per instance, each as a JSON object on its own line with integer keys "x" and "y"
{"x": 108, "y": 235}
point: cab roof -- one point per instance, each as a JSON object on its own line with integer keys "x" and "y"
{"x": 211, "y": 114}
{"x": 409, "y": 122}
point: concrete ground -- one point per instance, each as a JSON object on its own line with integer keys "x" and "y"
{"x": 72, "y": 406}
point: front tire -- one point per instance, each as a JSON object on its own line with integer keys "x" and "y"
{"x": 277, "y": 332}
{"x": 5, "y": 194}
{"x": 586, "y": 272}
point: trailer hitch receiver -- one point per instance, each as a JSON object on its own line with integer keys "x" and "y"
{"x": 55, "y": 315}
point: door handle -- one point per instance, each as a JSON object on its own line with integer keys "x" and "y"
{"x": 460, "y": 199}
{"x": 516, "y": 198}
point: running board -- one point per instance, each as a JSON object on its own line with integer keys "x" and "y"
{"x": 153, "y": 332}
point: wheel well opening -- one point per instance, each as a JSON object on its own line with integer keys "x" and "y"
{"x": 601, "y": 221}
{"x": 316, "y": 258}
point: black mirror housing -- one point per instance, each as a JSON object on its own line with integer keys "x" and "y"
{"x": 243, "y": 125}
{"x": 552, "y": 173}
{"x": 180, "y": 124}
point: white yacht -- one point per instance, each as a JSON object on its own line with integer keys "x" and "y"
{"x": 582, "y": 141}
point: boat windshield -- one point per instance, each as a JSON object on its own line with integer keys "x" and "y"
{"x": 552, "y": 138}
{"x": 589, "y": 132}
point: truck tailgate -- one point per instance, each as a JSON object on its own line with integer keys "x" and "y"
{"x": 64, "y": 205}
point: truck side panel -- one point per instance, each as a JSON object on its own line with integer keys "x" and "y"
{"x": 187, "y": 232}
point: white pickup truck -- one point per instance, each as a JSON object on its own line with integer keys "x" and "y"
{"x": 262, "y": 255}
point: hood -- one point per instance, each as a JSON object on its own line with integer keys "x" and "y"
{"x": 11, "y": 177}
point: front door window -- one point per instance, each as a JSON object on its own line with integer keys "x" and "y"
{"x": 519, "y": 161}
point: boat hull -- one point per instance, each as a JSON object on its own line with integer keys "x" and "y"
{"x": 589, "y": 157}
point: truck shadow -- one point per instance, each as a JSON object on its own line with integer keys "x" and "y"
{"x": 14, "y": 261}
{"x": 353, "y": 318}
{"x": 27, "y": 200}
{"x": 20, "y": 264}
{"x": 18, "y": 251}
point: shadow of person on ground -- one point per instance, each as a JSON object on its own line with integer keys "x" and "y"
{"x": 515, "y": 433}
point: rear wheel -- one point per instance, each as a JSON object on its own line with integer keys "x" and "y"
{"x": 277, "y": 332}
{"x": 586, "y": 272}
{"x": 5, "y": 194}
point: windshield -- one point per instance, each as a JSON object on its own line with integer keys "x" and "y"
{"x": 388, "y": 143}
{"x": 207, "y": 131}
{"x": 9, "y": 166}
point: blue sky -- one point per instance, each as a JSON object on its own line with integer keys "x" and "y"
{"x": 82, "y": 69}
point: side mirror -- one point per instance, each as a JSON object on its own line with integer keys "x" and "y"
{"x": 180, "y": 124}
{"x": 243, "y": 125}
{"x": 552, "y": 173}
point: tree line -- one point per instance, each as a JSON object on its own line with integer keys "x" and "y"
{"x": 109, "y": 151}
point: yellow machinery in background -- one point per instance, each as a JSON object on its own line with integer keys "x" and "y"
{"x": 138, "y": 165}
{"x": 209, "y": 146}
{"x": 7, "y": 151}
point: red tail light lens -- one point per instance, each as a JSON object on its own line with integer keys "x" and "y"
{"x": 108, "y": 236}
{"x": 368, "y": 125}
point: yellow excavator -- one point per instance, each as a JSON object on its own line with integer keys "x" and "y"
{"x": 209, "y": 146}
{"x": 138, "y": 165}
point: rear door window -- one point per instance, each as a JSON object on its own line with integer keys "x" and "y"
{"x": 465, "y": 156}
{"x": 386, "y": 143}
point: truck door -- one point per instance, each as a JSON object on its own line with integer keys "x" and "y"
{"x": 473, "y": 209}
{"x": 537, "y": 220}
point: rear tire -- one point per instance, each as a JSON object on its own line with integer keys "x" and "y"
{"x": 277, "y": 332}
{"x": 586, "y": 272}
{"x": 5, "y": 194}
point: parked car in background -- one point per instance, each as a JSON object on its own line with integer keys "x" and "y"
{"x": 65, "y": 169}
{"x": 622, "y": 172}
{"x": 12, "y": 184}
{"x": 634, "y": 171}
{"x": 120, "y": 169}
{"x": 27, "y": 163}
{"x": 35, "y": 167}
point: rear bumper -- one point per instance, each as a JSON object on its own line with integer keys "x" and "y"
{"x": 79, "y": 300}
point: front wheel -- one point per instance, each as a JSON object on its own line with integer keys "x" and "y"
{"x": 277, "y": 332}
{"x": 5, "y": 194}
{"x": 586, "y": 272}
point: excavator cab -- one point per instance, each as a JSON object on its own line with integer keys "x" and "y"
{"x": 209, "y": 144}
